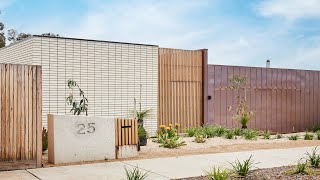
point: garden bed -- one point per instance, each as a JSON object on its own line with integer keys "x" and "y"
{"x": 212, "y": 145}
{"x": 271, "y": 174}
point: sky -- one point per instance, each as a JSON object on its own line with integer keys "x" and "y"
{"x": 236, "y": 32}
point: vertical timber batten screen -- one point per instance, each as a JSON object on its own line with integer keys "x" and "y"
{"x": 180, "y": 87}
{"x": 285, "y": 100}
{"x": 20, "y": 120}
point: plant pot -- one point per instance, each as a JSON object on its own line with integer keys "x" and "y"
{"x": 143, "y": 140}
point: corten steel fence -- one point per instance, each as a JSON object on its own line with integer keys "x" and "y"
{"x": 181, "y": 87}
{"x": 284, "y": 100}
{"x": 20, "y": 120}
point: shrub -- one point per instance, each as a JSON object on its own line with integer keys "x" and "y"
{"x": 142, "y": 132}
{"x": 44, "y": 139}
{"x": 313, "y": 158}
{"x": 135, "y": 174}
{"x": 199, "y": 138}
{"x": 316, "y": 128}
{"x": 279, "y": 136}
{"x": 308, "y": 136}
{"x": 220, "y": 130}
{"x": 318, "y": 135}
{"x": 242, "y": 169}
{"x": 217, "y": 174}
{"x": 250, "y": 134}
{"x": 168, "y": 137}
{"x": 192, "y": 131}
{"x": 209, "y": 131}
{"x": 237, "y": 131}
{"x": 229, "y": 134}
{"x": 301, "y": 168}
{"x": 293, "y": 137}
{"x": 266, "y": 134}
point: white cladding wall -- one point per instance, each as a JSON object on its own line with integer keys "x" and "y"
{"x": 109, "y": 73}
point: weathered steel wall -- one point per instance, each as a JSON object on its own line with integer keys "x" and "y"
{"x": 284, "y": 100}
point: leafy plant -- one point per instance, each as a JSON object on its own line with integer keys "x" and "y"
{"x": 135, "y": 174}
{"x": 229, "y": 134}
{"x": 266, "y": 134}
{"x": 318, "y": 135}
{"x": 293, "y": 137}
{"x": 140, "y": 114}
{"x": 219, "y": 130}
{"x": 142, "y": 132}
{"x": 168, "y": 137}
{"x": 249, "y": 134}
{"x": 308, "y": 136}
{"x": 192, "y": 131}
{"x": 82, "y": 106}
{"x": 199, "y": 138}
{"x": 313, "y": 158}
{"x": 301, "y": 168}
{"x": 279, "y": 136}
{"x": 242, "y": 112}
{"x": 217, "y": 174}
{"x": 209, "y": 131}
{"x": 316, "y": 128}
{"x": 44, "y": 139}
{"x": 242, "y": 169}
{"x": 238, "y": 131}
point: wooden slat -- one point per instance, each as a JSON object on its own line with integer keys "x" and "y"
{"x": 20, "y": 116}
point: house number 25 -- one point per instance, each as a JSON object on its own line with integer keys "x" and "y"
{"x": 90, "y": 128}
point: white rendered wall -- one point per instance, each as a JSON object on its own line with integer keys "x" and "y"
{"x": 109, "y": 73}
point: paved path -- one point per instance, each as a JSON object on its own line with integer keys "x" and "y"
{"x": 161, "y": 168}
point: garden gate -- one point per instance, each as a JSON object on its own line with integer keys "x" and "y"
{"x": 20, "y": 116}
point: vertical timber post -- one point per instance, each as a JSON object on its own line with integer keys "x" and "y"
{"x": 205, "y": 85}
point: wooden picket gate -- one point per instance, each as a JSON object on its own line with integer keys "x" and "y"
{"x": 20, "y": 116}
{"x": 126, "y": 132}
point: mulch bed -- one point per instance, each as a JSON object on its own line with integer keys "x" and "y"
{"x": 272, "y": 174}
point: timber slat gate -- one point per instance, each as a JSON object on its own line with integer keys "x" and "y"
{"x": 126, "y": 132}
{"x": 20, "y": 116}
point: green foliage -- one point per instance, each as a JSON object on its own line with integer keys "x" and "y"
{"x": 199, "y": 138}
{"x": 2, "y": 36}
{"x": 209, "y": 131}
{"x": 229, "y": 134}
{"x": 293, "y": 137}
{"x": 242, "y": 112}
{"x": 44, "y": 139}
{"x": 217, "y": 174}
{"x": 82, "y": 106}
{"x": 313, "y": 158}
{"x": 242, "y": 169}
{"x": 250, "y": 134}
{"x": 140, "y": 115}
{"x": 168, "y": 137}
{"x": 318, "y": 135}
{"x": 308, "y": 136}
{"x": 135, "y": 174}
{"x": 301, "y": 168}
{"x": 238, "y": 131}
{"x": 266, "y": 134}
{"x": 316, "y": 128}
{"x": 142, "y": 132}
{"x": 192, "y": 131}
{"x": 279, "y": 136}
{"x": 219, "y": 130}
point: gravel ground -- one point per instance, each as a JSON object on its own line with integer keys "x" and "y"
{"x": 272, "y": 174}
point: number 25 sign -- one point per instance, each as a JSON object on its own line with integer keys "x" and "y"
{"x": 86, "y": 128}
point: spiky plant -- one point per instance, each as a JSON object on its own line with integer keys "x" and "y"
{"x": 243, "y": 168}
{"x": 135, "y": 174}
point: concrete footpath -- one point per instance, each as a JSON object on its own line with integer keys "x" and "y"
{"x": 161, "y": 168}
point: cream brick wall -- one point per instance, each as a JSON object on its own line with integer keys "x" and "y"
{"x": 109, "y": 73}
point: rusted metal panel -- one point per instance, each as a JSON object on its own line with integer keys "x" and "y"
{"x": 284, "y": 100}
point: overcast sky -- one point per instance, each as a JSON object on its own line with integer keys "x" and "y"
{"x": 236, "y": 32}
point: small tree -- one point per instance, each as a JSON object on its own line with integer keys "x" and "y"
{"x": 242, "y": 112}
{"x": 77, "y": 108}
